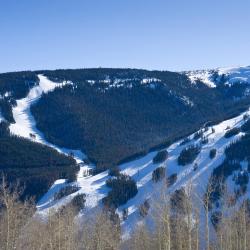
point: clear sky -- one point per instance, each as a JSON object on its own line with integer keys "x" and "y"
{"x": 152, "y": 34}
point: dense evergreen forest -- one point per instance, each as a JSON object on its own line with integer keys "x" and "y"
{"x": 14, "y": 86}
{"x": 235, "y": 165}
{"x": 33, "y": 165}
{"x": 110, "y": 114}
{"x": 113, "y": 114}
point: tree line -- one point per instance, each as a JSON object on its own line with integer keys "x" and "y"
{"x": 32, "y": 164}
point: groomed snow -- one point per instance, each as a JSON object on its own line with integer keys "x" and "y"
{"x": 25, "y": 124}
{"x": 141, "y": 171}
{"x": 185, "y": 174}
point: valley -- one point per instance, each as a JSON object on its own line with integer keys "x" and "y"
{"x": 94, "y": 187}
{"x": 211, "y": 133}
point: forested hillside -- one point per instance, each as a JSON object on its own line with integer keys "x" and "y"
{"x": 113, "y": 114}
{"x": 14, "y": 86}
{"x": 235, "y": 169}
{"x": 34, "y": 166}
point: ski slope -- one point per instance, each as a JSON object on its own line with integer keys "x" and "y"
{"x": 185, "y": 174}
{"x": 25, "y": 124}
{"x": 140, "y": 169}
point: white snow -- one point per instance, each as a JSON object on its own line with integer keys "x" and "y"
{"x": 125, "y": 82}
{"x": 232, "y": 75}
{"x": 236, "y": 75}
{"x": 201, "y": 75}
{"x": 25, "y": 125}
{"x": 149, "y": 80}
{"x": 141, "y": 171}
{"x": 185, "y": 174}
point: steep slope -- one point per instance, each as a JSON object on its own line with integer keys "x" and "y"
{"x": 196, "y": 173}
{"x": 25, "y": 125}
{"x": 113, "y": 114}
{"x": 27, "y": 161}
{"x": 33, "y": 165}
{"x": 14, "y": 86}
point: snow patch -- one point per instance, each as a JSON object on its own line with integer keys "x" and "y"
{"x": 231, "y": 76}
{"x": 124, "y": 82}
{"x": 235, "y": 75}
{"x": 149, "y": 80}
{"x": 204, "y": 76}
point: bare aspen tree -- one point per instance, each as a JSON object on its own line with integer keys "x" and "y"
{"x": 102, "y": 233}
{"x": 206, "y": 204}
{"x": 14, "y": 215}
{"x": 141, "y": 239}
{"x": 197, "y": 223}
{"x": 176, "y": 223}
{"x": 161, "y": 216}
{"x": 207, "y": 198}
{"x": 189, "y": 212}
{"x": 244, "y": 223}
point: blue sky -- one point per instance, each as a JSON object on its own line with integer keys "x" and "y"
{"x": 152, "y": 34}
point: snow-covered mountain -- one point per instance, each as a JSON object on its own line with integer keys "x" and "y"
{"x": 141, "y": 171}
{"x": 202, "y": 93}
{"x": 227, "y": 76}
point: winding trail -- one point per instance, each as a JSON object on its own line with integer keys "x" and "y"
{"x": 140, "y": 169}
{"x": 25, "y": 124}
